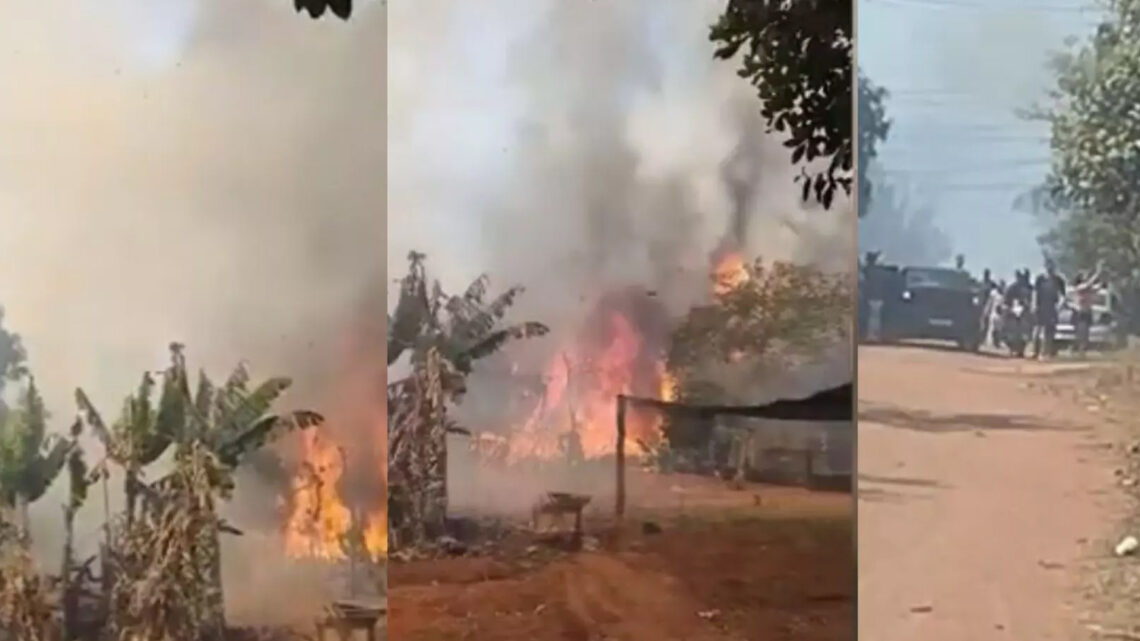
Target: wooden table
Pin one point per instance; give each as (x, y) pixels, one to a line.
(346, 619)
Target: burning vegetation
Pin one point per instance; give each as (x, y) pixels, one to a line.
(757, 319)
(157, 575)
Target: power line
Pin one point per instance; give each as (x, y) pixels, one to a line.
(1008, 186)
(990, 166)
(938, 141)
(961, 4)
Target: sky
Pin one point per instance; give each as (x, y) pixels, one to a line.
(957, 71)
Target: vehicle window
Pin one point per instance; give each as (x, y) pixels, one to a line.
(948, 278)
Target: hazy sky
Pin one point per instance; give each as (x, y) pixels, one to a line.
(190, 170)
(203, 171)
(957, 71)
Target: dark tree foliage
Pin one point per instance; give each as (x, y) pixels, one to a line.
(13, 357)
(873, 129)
(316, 8)
(797, 54)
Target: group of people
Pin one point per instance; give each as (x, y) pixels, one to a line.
(1044, 297)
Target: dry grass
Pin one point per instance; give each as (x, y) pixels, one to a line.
(27, 598)
(1110, 390)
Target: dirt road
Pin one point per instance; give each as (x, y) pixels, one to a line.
(980, 498)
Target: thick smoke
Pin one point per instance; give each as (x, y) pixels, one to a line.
(207, 172)
(582, 148)
(587, 152)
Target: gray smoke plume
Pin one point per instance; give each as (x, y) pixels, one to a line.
(208, 172)
(593, 161)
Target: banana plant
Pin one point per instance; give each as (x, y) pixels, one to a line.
(231, 422)
(144, 431)
(462, 328)
(30, 458)
(234, 420)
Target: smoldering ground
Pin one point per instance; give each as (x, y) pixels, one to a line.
(580, 148)
(202, 171)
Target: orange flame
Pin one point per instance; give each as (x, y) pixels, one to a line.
(320, 524)
(729, 272)
(580, 399)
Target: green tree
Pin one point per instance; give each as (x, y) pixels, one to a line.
(30, 458)
(13, 360)
(1089, 201)
(211, 431)
(755, 326)
(797, 54)
(874, 127)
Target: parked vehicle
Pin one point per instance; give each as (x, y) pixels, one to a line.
(1107, 331)
(937, 303)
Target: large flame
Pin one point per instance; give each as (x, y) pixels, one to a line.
(320, 524)
(323, 522)
(613, 357)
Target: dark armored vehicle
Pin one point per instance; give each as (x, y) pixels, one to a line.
(936, 303)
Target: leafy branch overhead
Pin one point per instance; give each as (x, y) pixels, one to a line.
(1090, 199)
(316, 8)
(797, 55)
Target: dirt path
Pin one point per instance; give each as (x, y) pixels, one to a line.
(980, 498)
(779, 569)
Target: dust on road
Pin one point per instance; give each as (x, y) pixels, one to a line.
(979, 498)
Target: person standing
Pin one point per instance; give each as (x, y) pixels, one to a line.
(1049, 291)
(987, 300)
(1084, 290)
(874, 281)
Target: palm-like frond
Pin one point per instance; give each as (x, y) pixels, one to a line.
(237, 445)
(244, 408)
(170, 419)
(33, 422)
(42, 470)
(30, 460)
(95, 421)
(413, 310)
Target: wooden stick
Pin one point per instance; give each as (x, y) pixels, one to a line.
(619, 506)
